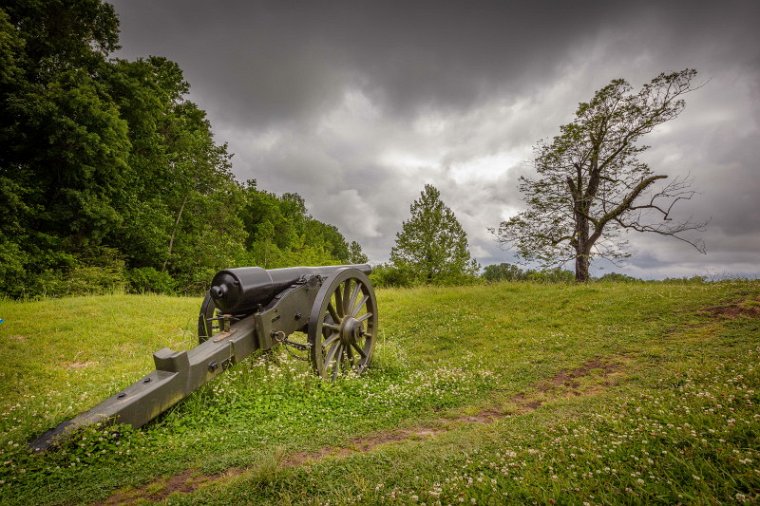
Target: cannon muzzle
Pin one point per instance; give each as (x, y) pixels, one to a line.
(242, 290)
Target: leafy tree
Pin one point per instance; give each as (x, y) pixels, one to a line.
(591, 185)
(555, 275)
(64, 146)
(509, 272)
(329, 238)
(617, 277)
(64, 33)
(355, 254)
(182, 207)
(148, 93)
(387, 275)
(109, 175)
(102, 159)
(503, 272)
(282, 234)
(203, 200)
(432, 246)
(13, 196)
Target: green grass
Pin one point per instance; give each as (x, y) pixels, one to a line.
(677, 420)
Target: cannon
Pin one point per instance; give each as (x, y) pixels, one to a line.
(333, 309)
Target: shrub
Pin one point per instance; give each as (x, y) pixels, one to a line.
(684, 280)
(386, 275)
(555, 275)
(90, 280)
(503, 272)
(81, 280)
(618, 277)
(12, 272)
(148, 279)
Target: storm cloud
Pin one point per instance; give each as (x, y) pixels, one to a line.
(356, 105)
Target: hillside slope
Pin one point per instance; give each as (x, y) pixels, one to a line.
(522, 392)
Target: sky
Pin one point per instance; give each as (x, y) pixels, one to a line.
(357, 105)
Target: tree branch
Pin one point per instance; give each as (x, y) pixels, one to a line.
(623, 206)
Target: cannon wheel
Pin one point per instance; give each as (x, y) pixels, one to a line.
(343, 324)
(207, 325)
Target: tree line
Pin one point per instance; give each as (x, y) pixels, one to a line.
(110, 177)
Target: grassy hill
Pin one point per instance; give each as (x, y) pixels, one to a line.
(636, 392)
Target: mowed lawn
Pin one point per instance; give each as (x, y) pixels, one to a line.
(506, 393)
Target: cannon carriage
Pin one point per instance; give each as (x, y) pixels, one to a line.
(333, 310)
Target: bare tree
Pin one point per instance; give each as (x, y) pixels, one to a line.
(591, 186)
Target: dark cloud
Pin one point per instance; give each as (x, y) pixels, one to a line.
(292, 61)
(356, 105)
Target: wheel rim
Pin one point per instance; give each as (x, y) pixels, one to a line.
(343, 325)
(208, 320)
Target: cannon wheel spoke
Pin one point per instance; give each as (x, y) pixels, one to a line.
(346, 296)
(332, 326)
(359, 349)
(364, 317)
(350, 355)
(343, 324)
(331, 341)
(355, 309)
(333, 313)
(350, 309)
(339, 303)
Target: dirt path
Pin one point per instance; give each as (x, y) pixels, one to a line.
(749, 308)
(591, 378)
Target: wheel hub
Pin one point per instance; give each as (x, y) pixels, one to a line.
(350, 331)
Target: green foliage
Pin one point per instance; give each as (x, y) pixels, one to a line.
(356, 255)
(503, 272)
(508, 272)
(85, 276)
(64, 145)
(432, 246)
(556, 275)
(388, 275)
(89, 280)
(104, 154)
(617, 277)
(12, 261)
(690, 280)
(282, 234)
(150, 280)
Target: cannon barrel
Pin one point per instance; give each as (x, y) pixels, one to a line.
(243, 289)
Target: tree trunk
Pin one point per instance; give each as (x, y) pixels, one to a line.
(583, 242)
(581, 267)
(174, 232)
(582, 246)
